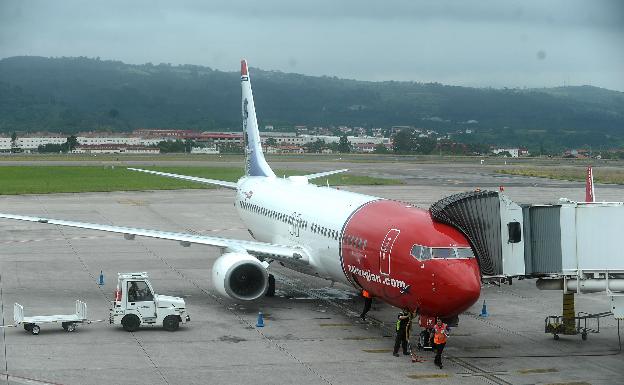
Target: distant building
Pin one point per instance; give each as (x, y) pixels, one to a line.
(163, 133)
(114, 149)
(363, 147)
(514, 152)
(204, 150)
(219, 138)
(283, 149)
(576, 153)
(29, 143)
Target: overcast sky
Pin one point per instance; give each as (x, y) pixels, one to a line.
(482, 43)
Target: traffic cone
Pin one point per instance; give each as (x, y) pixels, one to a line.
(484, 312)
(101, 281)
(260, 323)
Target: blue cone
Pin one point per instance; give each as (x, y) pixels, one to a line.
(101, 281)
(260, 323)
(484, 312)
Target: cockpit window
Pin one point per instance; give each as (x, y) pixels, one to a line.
(423, 252)
(416, 250)
(465, 253)
(442, 253)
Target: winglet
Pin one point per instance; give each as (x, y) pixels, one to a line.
(589, 185)
(244, 71)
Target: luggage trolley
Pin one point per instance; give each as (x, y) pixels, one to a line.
(67, 321)
(555, 325)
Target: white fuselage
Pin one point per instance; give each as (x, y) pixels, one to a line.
(291, 211)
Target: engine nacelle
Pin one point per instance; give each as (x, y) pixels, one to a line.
(240, 276)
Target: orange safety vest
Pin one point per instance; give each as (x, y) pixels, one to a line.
(366, 294)
(439, 336)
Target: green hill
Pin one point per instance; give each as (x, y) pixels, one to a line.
(75, 94)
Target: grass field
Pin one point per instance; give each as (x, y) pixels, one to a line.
(63, 179)
(601, 175)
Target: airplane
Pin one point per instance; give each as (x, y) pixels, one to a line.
(396, 252)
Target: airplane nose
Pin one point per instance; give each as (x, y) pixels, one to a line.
(458, 286)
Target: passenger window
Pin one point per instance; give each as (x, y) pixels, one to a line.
(416, 251)
(465, 253)
(442, 253)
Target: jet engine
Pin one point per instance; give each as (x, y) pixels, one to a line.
(240, 276)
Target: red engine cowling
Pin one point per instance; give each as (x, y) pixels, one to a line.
(377, 249)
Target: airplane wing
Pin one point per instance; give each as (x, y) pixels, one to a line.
(222, 183)
(325, 173)
(258, 249)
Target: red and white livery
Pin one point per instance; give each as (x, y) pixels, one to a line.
(391, 249)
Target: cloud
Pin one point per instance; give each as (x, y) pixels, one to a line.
(485, 43)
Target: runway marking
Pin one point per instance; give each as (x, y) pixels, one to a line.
(430, 375)
(356, 338)
(336, 325)
(477, 371)
(133, 202)
(484, 347)
(377, 350)
(538, 370)
(569, 383)
(26, 380)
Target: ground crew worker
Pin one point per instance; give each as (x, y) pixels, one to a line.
(440, 334)
(368, 301)
(403, 326)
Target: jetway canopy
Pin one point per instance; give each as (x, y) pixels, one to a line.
(536, 240)
(493, 225)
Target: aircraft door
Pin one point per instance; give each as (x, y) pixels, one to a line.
(141, 299)
(294, 224)
(385, 251)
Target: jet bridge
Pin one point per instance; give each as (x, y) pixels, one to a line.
(493, 225)
(569, 246)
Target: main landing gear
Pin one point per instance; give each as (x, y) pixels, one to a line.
(271, 289)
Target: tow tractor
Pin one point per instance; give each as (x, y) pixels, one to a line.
(135, 304)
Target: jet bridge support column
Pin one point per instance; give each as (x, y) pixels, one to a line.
(569, 326)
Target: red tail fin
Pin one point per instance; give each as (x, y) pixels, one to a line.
(589, 186)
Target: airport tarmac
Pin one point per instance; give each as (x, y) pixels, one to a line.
(312, 334)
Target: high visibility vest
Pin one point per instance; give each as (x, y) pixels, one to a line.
(366, 294)
(439, 336)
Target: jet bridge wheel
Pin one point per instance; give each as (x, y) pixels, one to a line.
(35, 329)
